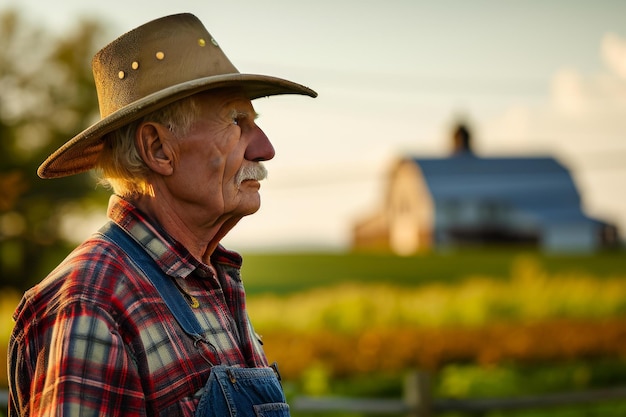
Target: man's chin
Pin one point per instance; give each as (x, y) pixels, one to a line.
(249, 205)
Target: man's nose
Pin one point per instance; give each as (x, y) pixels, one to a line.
(260, 147)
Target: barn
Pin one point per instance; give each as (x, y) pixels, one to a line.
(467, 200)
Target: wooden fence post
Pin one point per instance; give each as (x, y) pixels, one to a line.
(418, 394)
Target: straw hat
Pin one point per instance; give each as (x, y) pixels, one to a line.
(147, 68)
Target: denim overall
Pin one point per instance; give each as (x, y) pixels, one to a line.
(229, 391)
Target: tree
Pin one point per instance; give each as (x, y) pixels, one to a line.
(47, 95)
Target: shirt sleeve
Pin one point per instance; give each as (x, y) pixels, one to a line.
(86, 369)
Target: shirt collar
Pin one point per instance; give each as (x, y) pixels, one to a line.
(170, 255)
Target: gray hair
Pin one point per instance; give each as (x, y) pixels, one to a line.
(120, 166)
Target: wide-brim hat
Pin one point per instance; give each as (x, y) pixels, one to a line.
(147, 68)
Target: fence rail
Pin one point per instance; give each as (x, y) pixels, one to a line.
(4, 402)
(417, 401)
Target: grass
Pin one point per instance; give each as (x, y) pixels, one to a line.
(288, 273)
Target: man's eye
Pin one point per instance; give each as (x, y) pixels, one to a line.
(237, 117)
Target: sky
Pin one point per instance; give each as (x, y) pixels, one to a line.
(529, 77)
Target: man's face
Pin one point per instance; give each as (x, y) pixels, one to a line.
(217, 165)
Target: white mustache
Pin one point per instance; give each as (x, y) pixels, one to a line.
(251, 171)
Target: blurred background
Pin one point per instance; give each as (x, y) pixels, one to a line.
(452, 202)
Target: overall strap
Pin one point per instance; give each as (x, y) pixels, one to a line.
(161, 281)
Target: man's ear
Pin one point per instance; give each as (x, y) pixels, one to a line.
(150, 139)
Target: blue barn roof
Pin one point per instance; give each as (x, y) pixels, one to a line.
(537, 186)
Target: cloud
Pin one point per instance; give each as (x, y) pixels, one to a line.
(581, 111)
(613, 52)
(568, 92)
(581, 121)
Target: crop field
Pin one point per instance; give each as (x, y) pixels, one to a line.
(483, 323)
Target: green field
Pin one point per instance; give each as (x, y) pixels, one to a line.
(287, 273)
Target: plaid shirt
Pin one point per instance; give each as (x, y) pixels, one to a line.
(96, 338)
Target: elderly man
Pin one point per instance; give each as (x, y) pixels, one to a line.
(147, 317)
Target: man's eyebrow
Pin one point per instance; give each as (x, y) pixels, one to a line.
(244, 113)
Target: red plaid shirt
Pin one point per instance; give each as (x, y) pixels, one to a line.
(95, 337)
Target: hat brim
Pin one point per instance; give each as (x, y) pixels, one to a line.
(81, 153)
